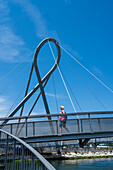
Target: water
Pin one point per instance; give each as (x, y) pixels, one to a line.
(84, 164)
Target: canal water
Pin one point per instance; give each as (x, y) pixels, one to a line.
(84, 164)
(79, 164)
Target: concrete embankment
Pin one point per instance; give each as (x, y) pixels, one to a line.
(79, 154)
(88, 154)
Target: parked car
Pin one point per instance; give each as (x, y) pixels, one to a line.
(101, 145)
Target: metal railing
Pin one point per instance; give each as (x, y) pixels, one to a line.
(15, 154)
(39, 125)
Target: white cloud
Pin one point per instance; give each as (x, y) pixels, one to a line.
(2, 100)
(97, 71)
(53, 95)
(4, 106)
(71, 51)
(34, 113)
(37, 19)
(50, 94)
(4, 11)
(11, 45)
(35, 16)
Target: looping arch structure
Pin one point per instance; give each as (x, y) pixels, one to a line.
(57, 59)
(40, 81)
(46, 77)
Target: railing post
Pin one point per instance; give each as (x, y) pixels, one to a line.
(78, 125)
(81, 126)
(6, 152)
(33, 129)
(14, 151)
(32, 162)
(58, 121)
(26, 127)
(22, 165)
(90, 122)
(99, 124)
(57, 127)
(11, 128)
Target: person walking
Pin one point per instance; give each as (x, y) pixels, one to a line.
(63, 120)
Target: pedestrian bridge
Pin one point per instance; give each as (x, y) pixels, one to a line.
(42, 128)
(45, 128)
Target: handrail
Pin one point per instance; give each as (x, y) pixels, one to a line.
(54, 115)
(37, 154)
(38, 121)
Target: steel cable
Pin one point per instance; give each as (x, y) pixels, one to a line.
(85, 85)
(71, 91)
(87, 70)
(14, 102)
(16, 66)
(63, 81)
(14, 79)
(55, 92)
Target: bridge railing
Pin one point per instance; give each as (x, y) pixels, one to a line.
(16, 154)
(40, 125)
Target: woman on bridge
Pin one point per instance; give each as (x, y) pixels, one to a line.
(63, 120)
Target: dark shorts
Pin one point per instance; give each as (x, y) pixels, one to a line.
(62, 123)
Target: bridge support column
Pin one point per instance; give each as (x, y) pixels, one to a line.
(83, 142)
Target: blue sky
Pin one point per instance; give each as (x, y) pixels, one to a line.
(83, 28)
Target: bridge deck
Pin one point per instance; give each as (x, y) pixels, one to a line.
(66, 137)
(39, 128)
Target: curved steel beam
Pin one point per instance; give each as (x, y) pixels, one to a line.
(31, 149)
(58, 55)
(43, 79)
(49, 73)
